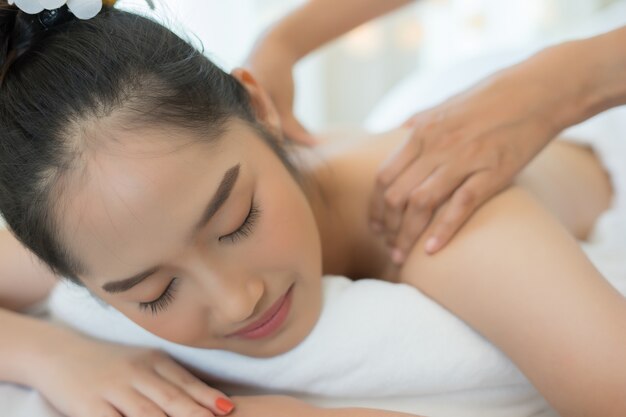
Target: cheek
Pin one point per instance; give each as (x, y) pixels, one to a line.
(287, 234)
(183, 322)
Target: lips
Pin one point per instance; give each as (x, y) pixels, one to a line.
(270, 321)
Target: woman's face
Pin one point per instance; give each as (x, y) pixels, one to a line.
(226, 238)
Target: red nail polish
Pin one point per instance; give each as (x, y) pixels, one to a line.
(224, 405)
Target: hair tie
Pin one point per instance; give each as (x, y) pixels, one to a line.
(20, 24)
(50, 18)
(82, 9)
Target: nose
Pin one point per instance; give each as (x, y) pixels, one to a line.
(236, 300)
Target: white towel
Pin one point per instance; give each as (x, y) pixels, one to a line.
(373, 339)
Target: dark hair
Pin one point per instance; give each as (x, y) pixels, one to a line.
(53, 81)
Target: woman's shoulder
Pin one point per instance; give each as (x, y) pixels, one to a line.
(498, 233)
(348, 159)
(517, 276)
(347, 143)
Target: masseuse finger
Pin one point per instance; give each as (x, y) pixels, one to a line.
(464, 201)
(197, 389)
(423, 202)
(389, 170)
(400, 195)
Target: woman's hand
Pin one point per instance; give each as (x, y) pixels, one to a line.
(458, 155)
(85, 377)
(272, 64)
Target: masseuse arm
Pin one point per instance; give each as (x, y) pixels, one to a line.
(468, 148)
(515, 275)
(296, 35)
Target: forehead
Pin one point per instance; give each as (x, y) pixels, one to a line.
(139, 196)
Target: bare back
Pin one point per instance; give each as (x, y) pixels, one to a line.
(514, 272)
(566, 178)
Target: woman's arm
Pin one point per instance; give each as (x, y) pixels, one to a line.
(23, 279)
(283, 406)
(24, 342)
(515, 275)
(83, 377)
(80, 376)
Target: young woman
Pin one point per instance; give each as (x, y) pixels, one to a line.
(135, 167)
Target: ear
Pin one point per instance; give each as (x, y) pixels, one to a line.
(260, 100)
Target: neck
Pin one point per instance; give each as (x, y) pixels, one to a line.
(338, 184)
(334, 233)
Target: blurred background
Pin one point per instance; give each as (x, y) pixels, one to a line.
(342, 82)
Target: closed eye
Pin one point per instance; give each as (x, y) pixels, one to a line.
(246, 227)
(161, 303)
(243, 231)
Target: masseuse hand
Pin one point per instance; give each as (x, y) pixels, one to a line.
(272, 66)
(85, 377)
(457, 155)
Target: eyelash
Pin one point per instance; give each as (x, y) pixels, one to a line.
(161, 303)
(246, 228)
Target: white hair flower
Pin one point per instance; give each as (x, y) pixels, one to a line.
(83, 9)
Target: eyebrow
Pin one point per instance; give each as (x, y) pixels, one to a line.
(221, 195)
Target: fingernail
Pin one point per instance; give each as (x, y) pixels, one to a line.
(224, 405)
(431, 244)
(376, 226)
(397, 256)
